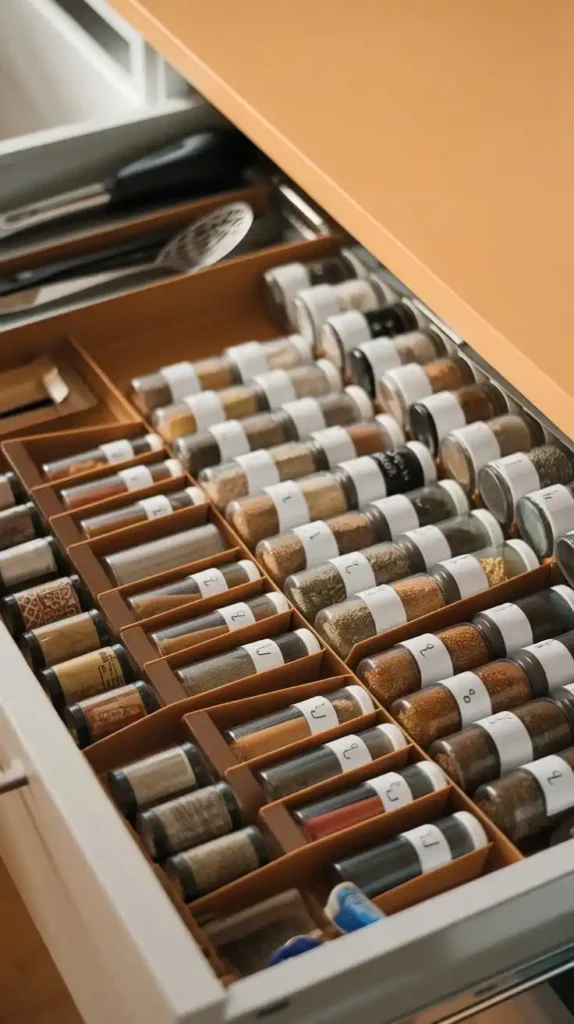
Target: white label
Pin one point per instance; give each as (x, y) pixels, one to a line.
(400, 514)
(265, 655)
(318, 541)
(412, 382)
(6, 494)
(350, 751)
(210, 581)
(430, 846)
(156, 507)
(431, 543)
(355, 571)
(206, 408)
(467, 573)
(181, 379)
(136, 477)
(231, 439)
(480, 443)
(278, 388)
(260, 470)
(558, 504)
(336, 444)
(382, 355)
(385, 606)
(392, 790)
(292, 509)
(519, 473)
(446, 412)
(237, 615)
(367, 478)
(556, 780)
(513, 625)
(306, 414)
(117, 451)
(471, 695)
(249, 358)
(319, 714)
(433, 660)
(556, 661)
(511, 739)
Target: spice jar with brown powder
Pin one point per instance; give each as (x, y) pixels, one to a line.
(19, 524)
(99, 716)
(434, 417)
(192, 588)
(161, 776)
(134, 478)
(313, 306)
(285, 282)
(465, 575)
(87, 675)
(35, 561)
(546, 515)
(532, 798)
(219, 622)
(60, 641)
(515, 624)
(154, 507)
(548, 663)
(107, 454)
(467, 449)
(401, 388)
(46, 603)
(189, 820)
(505, 481)
(167, 552)
(342, 333)
(11, 490)
(371, 359)
(205, 868)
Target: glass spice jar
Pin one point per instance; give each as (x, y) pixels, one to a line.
(548, 663)
(189, 820)
(141, 511)
(11, 490)
(426, 659)
(100, 716)
(35, 561)
(298, 721)
(247, 660)
(313, 306)
(515, 624)
(342, 333)
(86, 675)
(125, 481)
(434, 417)
(169, 552)
(501, 743)
(295, 421)
(48, 602)
(427, 545)
(399, 389)
(266, 393)
(565, 556)
(465, 575)
(285, 282)
(329, 760)
(59, 641)
(530, 799)
(467, 449)
(194, 587)
(150, 780)
(503, 482)
(371, 359)
(103, 455)
(205, 868)
(19, 524)
(219, 622)
(546, 515)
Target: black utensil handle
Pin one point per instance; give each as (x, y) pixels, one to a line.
(104, 259)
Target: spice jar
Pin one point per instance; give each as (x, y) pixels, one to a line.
(548, 663)
(46, 603)
(32, 562)
(565, 556)
(283, 506)
(370, 359)
(412, 853)
(530, 799)
(217, 623)
(516, 624)
(434, 417)
(11, 490)
(295, 421)
(189, 820)
(167, 552)
(86, 675)
(546, 515)
(375, 796)
(422, 661)
(103, 455)
(134, 478)
(503, 482)
(266, 393)
(247, 660)
(286, 281)
(401, 388)
(342, 333)
(467, 449)
(330, 760)
(501, 743)
(428, 545)
(298, 721)
(465, 575)
(192, 588)
(19, 524)
(149, 780)
(93, 719)
(205, 868)
(141, 511)
(60, 641)
(313, 306)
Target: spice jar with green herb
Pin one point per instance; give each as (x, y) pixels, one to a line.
(505, 481)
(532, 798)
(467, 449)
(513, 625)
(434, 417)
(399, 389)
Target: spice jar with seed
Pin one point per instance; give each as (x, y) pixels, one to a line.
(86, 675)
(342, 333)
(267, 393)
(60, 641)
(457, 702)
(503, 482)
(549, 663)
(189, 820)
(530, 619)
(35, 561)
(205, 868)
(11, 490)
(285, 282)
(313, 306)
(93, 719)
(401, 388)
(298, 721)
(217, 623)
(168, 552)
(530, 799)
(428, 545)
(467, 449)
(501, 743)
(250, 659)
(104, 455)
(375, 796)
(141, 511)
(330, 760)
(465, 575)
(413, 853)
(19, 524)
(192, 588)
(161, 776)
(371, 359)
(46, 603)
(422, 661)
(134, 478)
(434, 417)
(378, 609)
(546, 515)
